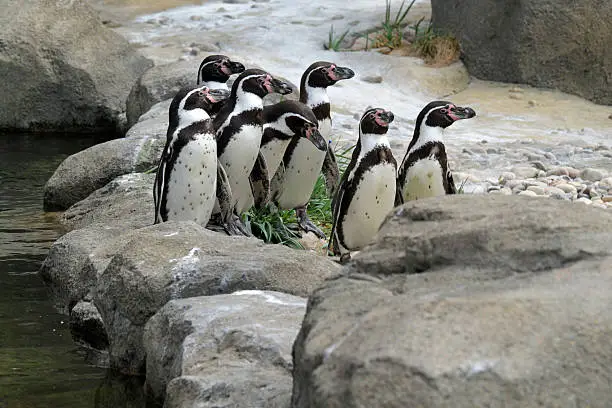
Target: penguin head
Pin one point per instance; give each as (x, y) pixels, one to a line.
(443, 114)
(260, 83)
(194, 104)
(294, 118)
(218, 68)
(375, 121)
(322, 74)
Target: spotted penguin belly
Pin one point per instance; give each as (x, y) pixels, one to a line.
(192, 183)
(238, 159)
(372, 201)
(301, 175)
(424, 179)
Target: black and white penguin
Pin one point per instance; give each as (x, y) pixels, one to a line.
(239, 127)
(185, 186)
(424, 172)
(284, 121)
(366, 193)
(303, 161)
(215, 70)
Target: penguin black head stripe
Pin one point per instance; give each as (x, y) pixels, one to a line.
(260, 83)
(322, 74)
(218, 68)
(190, 98)
(375, 121)
(293, 118)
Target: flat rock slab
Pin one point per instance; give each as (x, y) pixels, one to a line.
(178, 260)
(227, 350)
(463, 302)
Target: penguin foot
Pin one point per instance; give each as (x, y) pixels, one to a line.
(235, 226)
(344, 258)
(306, 224)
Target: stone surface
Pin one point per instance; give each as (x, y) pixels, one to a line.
(463, 302)
(512, 42)
(178, 260)
(239, 344)
(62, 70)
(124, 203)
(87, 327)
(84, 172)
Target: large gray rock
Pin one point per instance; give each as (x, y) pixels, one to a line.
(224, 350)
(126, 202)
(466, 301)
(178, 260)
(62, 70)
(84, 172)
(560, 44)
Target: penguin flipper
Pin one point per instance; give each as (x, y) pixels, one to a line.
(336, 204)
(399, 197)
(331, 173)
(452, 189)
(158, 184)
(260, 182)
(277, 181)
(224, 193)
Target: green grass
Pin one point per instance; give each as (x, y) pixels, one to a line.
(333, 42)
(391, 35)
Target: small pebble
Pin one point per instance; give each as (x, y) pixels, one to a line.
(606, 182)
(507, 175)
(525, 171)
(538, 165)
(372, 79)
(532, 103)
(505, 191)
(516, 96)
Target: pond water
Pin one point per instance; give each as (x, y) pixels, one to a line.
(40, 366)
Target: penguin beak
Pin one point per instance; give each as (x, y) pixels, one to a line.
(387, 117)
(278, 86)
(217, 95)
(343, 73)
(236, 67)
(459, 112)
(312, 133)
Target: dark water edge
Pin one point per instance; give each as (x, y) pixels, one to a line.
(40, 366)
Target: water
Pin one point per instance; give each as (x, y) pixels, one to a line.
(40, 366)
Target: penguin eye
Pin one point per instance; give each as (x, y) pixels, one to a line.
(332, 68)
(443, 110)
(201, 93)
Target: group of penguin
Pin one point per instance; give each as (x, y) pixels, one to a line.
(225, 152)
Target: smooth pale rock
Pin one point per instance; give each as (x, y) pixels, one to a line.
(444, 310)
(124, 203)
(62, 70)
(567, 188)
(607, 199)
(507, 176)
(528, 193)
(583, 200)
(176, 260)
(505, 191)
(537, 190)
(592, 174)
(606, 182)
(84, 172)
(554, 191)
(525, 171)
(239, 342)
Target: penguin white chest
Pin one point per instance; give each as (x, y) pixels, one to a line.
(373, 199)
(238, 159)
(301, 174)
(424, 179)
(273, 154)
(192, 182)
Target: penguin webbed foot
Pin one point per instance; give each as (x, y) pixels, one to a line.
(235, 226)
(344, 258)
(306, 224)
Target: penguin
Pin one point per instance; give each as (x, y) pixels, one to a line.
(239, 130)
(424, 172)
(302, 160)
(366, 193)
(284, 121)
(188, 177)
(215, 70)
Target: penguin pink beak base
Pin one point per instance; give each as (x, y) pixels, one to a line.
(274, 85)
(217, 95)
(458, 112)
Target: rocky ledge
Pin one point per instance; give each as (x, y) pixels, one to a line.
(460, 299)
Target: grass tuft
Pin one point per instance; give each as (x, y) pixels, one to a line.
(435, 48)
(391, 33)
(333, 42)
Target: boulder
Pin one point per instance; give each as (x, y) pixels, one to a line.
(84, 172)
(546, 43)
(175, 260)
(87, 327)
(124, 203)
(223, 350)
(466, 301)
(62, 70)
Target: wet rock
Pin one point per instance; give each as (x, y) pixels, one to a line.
(178, 260)
(63, 70)
(502, 47)
(87, 327)
(240, 343)
(592, 174)
(84, 172)
(489, 312)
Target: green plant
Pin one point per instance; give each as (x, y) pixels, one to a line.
(392, 29)
(435, 48)
(460, 190)
(333, 43)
